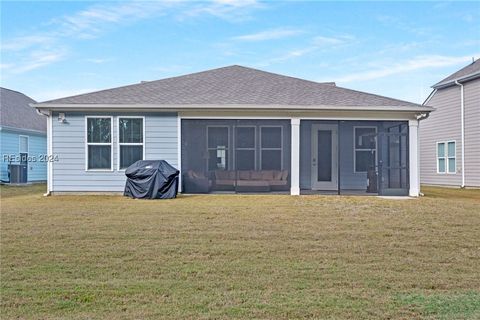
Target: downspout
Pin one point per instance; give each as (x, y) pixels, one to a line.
(49, 143)
(462, 123)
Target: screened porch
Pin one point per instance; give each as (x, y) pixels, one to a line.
(255, 156)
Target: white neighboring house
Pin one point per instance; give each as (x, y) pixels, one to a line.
(450, 137)
(237, 129)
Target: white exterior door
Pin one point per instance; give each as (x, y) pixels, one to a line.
(324, 158)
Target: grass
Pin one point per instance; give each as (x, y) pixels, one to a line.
(242, 257)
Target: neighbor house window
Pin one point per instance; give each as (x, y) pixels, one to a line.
(271, 146)
(99, 143)
(218, 138)
(365, 148)
(245, 142)
(130, 141)
(23, 149)
(446, 157)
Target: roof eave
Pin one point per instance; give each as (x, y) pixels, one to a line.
(176, 108)
(466, 78)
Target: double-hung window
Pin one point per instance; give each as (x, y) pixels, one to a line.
(245, 142)
(99, 143)
(365, 148)
(271, 147)
(130, 141)
(23, 149)
(218, 138)
(446, 157)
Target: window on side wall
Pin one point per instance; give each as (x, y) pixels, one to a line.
(99, 143)
(130, 140)
(23, 149)
(446, 157)
(365, 148)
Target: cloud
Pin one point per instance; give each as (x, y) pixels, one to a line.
(417, 63)
(36, 60)
(28, 51)
(316, 43)
(271, 34)
(98, 60)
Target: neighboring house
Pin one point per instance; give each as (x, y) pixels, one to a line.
(237, 129)
(23, 134)
(450, 137)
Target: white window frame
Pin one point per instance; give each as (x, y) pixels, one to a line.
(99, 143)
(446, 157)
(254, 149)
(355, 149)
(227, 149)
(275, 149)
(28, 146)
(129, 143)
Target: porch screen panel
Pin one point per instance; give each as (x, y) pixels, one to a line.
(235, 155)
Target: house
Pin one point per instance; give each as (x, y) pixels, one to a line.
(23, 134)
(237, 129)
(450, 137)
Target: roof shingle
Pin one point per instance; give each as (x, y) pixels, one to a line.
(233, 85)
(15, 112)
(470, 70)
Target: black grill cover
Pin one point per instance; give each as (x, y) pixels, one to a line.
(151, 179)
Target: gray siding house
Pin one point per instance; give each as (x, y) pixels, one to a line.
(237, 129)
(23, 137)
(450, 137)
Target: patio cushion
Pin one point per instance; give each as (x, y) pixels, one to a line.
(256, 175)
(267, 175)
(277, 175)
(284, 174)
(244, 175)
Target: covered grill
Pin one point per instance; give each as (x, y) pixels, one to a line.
(151, 179)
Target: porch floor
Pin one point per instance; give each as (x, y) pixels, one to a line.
(351, 192)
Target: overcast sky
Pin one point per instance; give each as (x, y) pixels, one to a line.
(56, 49)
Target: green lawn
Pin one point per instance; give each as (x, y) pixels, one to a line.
(233, 256)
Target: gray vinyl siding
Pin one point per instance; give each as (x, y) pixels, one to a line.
(68, 141)
(472, 133)
(444, 124)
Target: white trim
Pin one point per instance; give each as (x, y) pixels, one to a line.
(295, 156)
(374, 117)
(355, 149)
(273, 149)
(229, 163)
(413, 159)
(99, 144)
(119, 144)
(333, 183)
(446, 157)
(179, 152)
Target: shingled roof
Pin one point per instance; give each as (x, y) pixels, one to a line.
(15, 112)
(469, 72)
(232, 85)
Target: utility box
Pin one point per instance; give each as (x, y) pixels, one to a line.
(18, 173)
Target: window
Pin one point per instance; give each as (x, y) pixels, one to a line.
(23, 149)
(99, 143)
(217, 144)
(271, 148)
(245, 147)
(446, 157)
(365, 148)
(130, 141)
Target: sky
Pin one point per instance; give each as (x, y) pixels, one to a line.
(397, 49)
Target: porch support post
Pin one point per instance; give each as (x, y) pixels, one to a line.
(295, 160)
(413, 158)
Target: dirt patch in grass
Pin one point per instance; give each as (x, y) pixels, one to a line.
(234, 256)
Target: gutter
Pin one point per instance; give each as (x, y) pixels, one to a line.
(462, 122)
